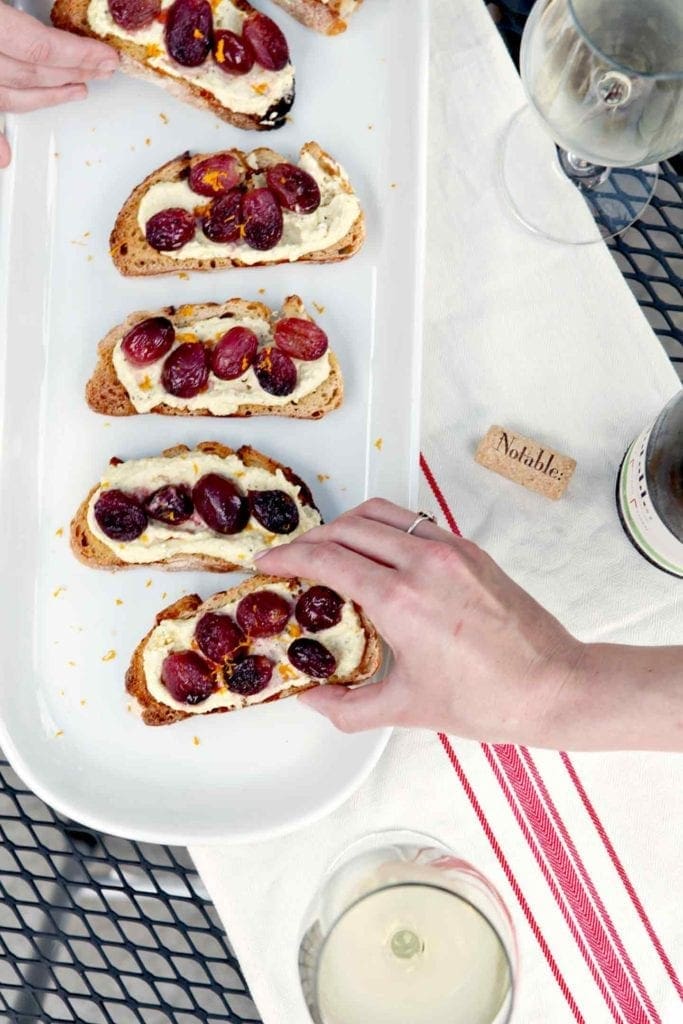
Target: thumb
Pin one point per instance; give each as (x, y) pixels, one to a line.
(365, 707)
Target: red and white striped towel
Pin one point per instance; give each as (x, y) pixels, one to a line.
(584, 848)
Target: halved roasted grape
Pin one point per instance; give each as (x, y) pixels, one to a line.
(299, 338)
(275, 371)
(186, 370)
(218, 637)
(189, 31)
(232, 53)
(319, 608)
(262, 219)
(134, 14)
(171, 504)
(187, 677)
(220, 504)
(170, 229)
(295, 188)
(311, 658)
(148, 341)
(216, 175)
(263, 613)
(267, 41)
(234, 353)
(249, 676)
(223, 220)
(275, 510)
(120, 516)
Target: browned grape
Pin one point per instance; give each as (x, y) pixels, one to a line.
(220, 504)
(299, 338)
(232, 53)
(274, 510)
(267, 41)
(148, 340)
(319, 608)
(249, 676)
(262, 219)
(296, 189)
(189, 31)
(218, 637)
(234, 353)
(171, 504)
(134, 14)
(170, 229)
(263, 613)
(311, 658)
(120, 516)
(186, 370)
(276, 373)
(187, 677)
(223, 219)
(216, 175)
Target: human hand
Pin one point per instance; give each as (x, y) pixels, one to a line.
(474, 654)
(42, 66)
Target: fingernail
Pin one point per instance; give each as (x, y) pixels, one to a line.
(107, 66)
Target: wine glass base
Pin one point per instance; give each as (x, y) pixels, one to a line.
(567, 203)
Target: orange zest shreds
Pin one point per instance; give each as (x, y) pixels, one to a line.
(109, 656)
(59, 532)
(322, 477)
(243, 230)
(201, 211)
(220, 50)
(245, 364)
(214, 179)
(187, 310)
(162, 16)
(319, 308)
(294, 630)
(287, 672)
(188, 336)
(58, 591)
(146, 384)
(378, 444)
(164, 118)
(238, 472)
(196, 740)
(260, 87)
(198, 34)
(118, 601)
(152, 50)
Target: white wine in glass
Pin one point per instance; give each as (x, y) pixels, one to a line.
(604, 79)
(404, 931)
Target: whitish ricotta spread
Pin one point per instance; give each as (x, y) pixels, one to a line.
(253, 93)
(159, 541)
(346, 641)
(222, 397)
(302, 234)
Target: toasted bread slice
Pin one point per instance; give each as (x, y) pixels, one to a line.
(133, 256)
(72, 16)
(105, 393)
(90, 550)
(154, 712)
(328, 16)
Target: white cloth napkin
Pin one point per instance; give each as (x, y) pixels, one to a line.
(548, 340)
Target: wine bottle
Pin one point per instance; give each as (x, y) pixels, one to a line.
(650, 490)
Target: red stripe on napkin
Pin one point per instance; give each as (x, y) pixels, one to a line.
(495, 845)
(621, 871)
(436, 491)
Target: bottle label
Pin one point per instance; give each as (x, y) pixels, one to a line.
(640, 517)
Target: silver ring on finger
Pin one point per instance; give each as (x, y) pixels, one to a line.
(421, 517)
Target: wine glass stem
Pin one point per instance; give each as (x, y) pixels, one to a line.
(585, 175)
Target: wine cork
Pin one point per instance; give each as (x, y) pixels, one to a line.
(529, 463)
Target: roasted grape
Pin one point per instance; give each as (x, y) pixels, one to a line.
(319, 608)
(311, 658)
(263, 613)
(186, 370)
(295, 188)
(170, 229)
(300, 339)
(276, 373)
(187, 677)
(218, 637)
(134, 14)
(249, 676)
(148, 341)
(216, 175)
(274, 510)
(171, 504)
(267, 41)
(120, 516)
(220, 504)
(232, 53)
(234, 353)
(189, 31)
(223, 220)
(262, 219)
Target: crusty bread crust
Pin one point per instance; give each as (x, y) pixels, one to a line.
(133, 256)
(72, 16)
(156, 713)
(89, 550)
(105, 393)
(323, 17)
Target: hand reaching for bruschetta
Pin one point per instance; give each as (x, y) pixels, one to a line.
(41, 66)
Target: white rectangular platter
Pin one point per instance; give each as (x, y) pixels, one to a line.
(65, 722)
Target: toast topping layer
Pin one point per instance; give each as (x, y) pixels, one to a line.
(171, 533)
(255, 92)
(302, 233)
(146, 390)
(345, 642)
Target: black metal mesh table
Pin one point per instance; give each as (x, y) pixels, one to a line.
(100, 930)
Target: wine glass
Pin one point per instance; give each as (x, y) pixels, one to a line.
(605, 79)
(403, 929)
